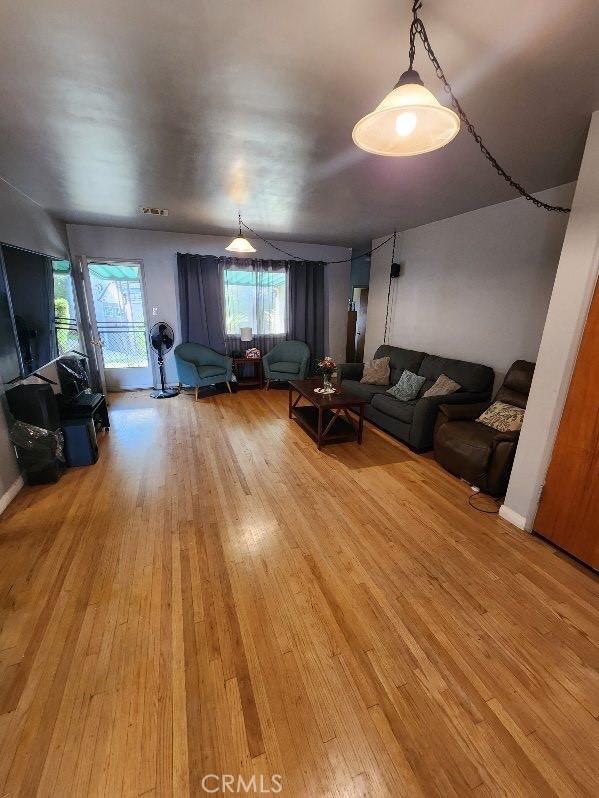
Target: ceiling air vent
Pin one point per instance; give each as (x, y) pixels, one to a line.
(153, 211)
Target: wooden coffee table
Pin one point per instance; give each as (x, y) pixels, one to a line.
(326, 418)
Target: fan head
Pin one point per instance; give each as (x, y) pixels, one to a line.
(162, 337)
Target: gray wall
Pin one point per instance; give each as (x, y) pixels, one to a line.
(158, 251)
(474, 286)
(24, 224)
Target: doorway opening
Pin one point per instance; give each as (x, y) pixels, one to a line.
(356, 325)
(119, 330)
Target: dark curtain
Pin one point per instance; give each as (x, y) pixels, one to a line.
(307, 306)
(201, 300)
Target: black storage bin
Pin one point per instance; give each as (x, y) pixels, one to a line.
(39, 452)
(36, 433)
(34, 404)
(81, 446)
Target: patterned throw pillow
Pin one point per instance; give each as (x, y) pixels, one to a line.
(503, 417)
(444, 385)
(376, 372)
(408, 386)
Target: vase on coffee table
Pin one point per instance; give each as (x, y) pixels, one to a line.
(327, 367)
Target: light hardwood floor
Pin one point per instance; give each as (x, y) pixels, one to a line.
(216, 596)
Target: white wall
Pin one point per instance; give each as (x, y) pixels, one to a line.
(158, 250)
(474, 286)
(24, 224)
(572, 294)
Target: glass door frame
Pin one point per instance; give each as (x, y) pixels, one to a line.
(95, 338)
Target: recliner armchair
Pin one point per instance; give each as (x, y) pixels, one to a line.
(287, 360)
(199, 366)
(479, 454)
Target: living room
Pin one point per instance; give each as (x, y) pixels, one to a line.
(299, 385)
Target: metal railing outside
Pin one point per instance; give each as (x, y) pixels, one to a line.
(123, 344)
(67, 334)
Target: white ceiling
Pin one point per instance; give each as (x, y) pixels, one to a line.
(206, 106)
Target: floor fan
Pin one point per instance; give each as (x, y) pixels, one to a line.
(162, 339)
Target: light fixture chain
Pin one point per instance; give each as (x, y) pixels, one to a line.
(417, 28)
(300, 258)
(389, 286)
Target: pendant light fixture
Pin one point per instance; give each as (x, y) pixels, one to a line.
(411, 121)
(240, 244)
(408, 121)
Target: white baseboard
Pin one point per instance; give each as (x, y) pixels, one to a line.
(512, 517)
(10, 494)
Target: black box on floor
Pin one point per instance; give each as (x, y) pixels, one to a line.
(80, 443)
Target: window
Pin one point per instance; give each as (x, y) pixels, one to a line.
(65, 308)
(256, 299)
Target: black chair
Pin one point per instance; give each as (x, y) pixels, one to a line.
(479, 454)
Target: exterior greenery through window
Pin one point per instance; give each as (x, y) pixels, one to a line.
(65, 308)
(256, 299)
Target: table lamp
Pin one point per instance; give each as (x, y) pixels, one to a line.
(246, 335)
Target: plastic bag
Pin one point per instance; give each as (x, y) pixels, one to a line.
(35, 444)
(73, 376)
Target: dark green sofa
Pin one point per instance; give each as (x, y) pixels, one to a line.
(414, 422)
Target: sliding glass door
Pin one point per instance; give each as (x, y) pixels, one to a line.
(119, 330)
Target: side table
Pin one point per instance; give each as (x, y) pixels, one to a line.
(256, 380)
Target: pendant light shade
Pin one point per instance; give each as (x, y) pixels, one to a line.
(408, 121)
(240, 244)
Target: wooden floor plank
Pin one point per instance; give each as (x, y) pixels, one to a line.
(216, 596)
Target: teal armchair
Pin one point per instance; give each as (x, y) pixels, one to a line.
(287, 361)
(200, 366)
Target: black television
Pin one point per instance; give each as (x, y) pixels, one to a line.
(41, 299)
(10, 364)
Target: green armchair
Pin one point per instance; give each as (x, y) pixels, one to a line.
(200, 366)
(287, 361)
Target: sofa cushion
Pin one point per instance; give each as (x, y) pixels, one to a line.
(472, 377)
(408, 386)
(503, 417)
(376, 372)
(443, 386)
(400, 359)
(211, 371)
(285, 367)
(402, 411)
(362, 390)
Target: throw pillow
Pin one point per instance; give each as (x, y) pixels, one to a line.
(408, 386)
(444, 385)
(503, 417)
(376, 372)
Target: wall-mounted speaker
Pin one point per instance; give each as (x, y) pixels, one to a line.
(395, 269)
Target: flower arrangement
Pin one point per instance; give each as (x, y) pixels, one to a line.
(327, 365)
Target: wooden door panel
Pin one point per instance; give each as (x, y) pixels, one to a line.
(569, 509)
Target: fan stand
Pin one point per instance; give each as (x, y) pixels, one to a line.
(164, 393)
